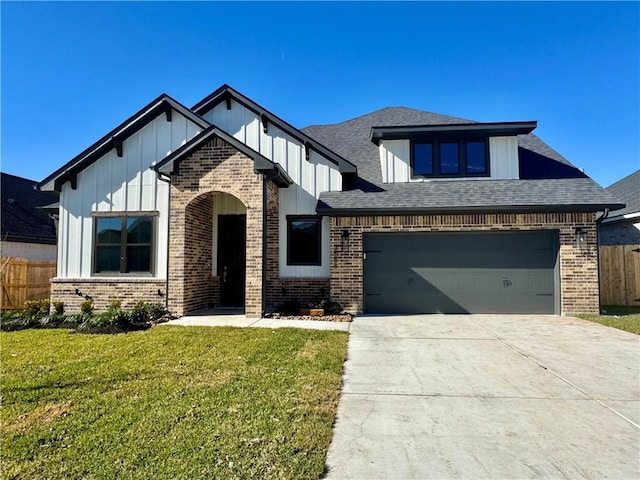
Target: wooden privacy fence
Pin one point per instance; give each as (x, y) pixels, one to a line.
(620, 275)
(24, 280)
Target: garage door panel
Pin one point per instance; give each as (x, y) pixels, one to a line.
(457, 272)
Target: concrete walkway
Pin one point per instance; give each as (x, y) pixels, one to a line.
(485, 396)
(212, 320)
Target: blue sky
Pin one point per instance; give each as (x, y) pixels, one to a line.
(73, 71)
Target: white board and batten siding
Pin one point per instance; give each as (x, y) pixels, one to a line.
(395, 160)
(120, 184)
(310, 177)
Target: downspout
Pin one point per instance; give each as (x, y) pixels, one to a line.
(599, 220)
(167, 180)
(266, 180)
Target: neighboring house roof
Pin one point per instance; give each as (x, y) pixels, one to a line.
(627, 191)
(171, 163)
(226, 93)
(23, 218)
(114, 139)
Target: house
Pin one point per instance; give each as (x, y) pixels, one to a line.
(226, 204)
(622, 227)
(28, 231)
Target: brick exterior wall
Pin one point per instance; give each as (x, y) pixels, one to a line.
(280, 290)
(215, 167)
(103, 290)
(624, 232)
(578, 264)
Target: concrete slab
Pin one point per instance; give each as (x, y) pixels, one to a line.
(242, 321)
(629, 409)
(603, 361)
(447, 367)
(419, 326)
(487, 396)
(213, 321)
(307, 324)
(413, 437)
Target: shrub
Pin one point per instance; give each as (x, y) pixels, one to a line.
(144, 312)
(330, 307)
(109, 321)
(86, 306)
(36, 308)
(115, 304)
(15, 320)
(58, 308)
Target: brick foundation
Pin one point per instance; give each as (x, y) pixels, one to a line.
(578, 265)
(103, 290)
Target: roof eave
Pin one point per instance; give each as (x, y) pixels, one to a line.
(324, 209)
(480, 128)
(170, 164)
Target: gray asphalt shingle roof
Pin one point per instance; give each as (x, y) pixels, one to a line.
(627, 191)
(23, 219)
(547, 178)
(574, 194)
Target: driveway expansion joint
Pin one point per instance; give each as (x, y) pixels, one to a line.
(557, 374)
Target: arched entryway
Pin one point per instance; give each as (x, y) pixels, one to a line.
(215, 252)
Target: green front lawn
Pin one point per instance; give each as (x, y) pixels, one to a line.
(171, 402)
(623, 318)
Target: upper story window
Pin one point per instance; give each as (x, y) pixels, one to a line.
(123, 244)
(450, 158)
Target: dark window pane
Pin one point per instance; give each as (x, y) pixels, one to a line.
(304, 242)
(109, 230)
(139, 230)
(449, 162)
(423, 159)
(476, 157)
(108, 259)
(138, 259)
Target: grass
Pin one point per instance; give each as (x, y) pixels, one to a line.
(170, 402)
(623, 318)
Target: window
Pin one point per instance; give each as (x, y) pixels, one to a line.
(303, 241)
(123, 244)
(450, 158)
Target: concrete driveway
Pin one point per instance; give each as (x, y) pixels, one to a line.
(487, 396)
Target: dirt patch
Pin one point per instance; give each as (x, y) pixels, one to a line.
(40, 416)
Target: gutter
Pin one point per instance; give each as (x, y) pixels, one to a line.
(602, 218)
(599, 220)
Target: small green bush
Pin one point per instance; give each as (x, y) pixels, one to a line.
(86, 306)
(115, 304)
(36, 308)
(58, 308)
(16, 320)
(147, 312)
(330, 307)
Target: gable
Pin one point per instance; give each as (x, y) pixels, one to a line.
(247, 122)
(115, 140)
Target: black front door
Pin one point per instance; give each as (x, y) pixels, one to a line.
(231, 259)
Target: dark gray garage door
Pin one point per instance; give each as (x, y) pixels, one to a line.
(488, 272)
